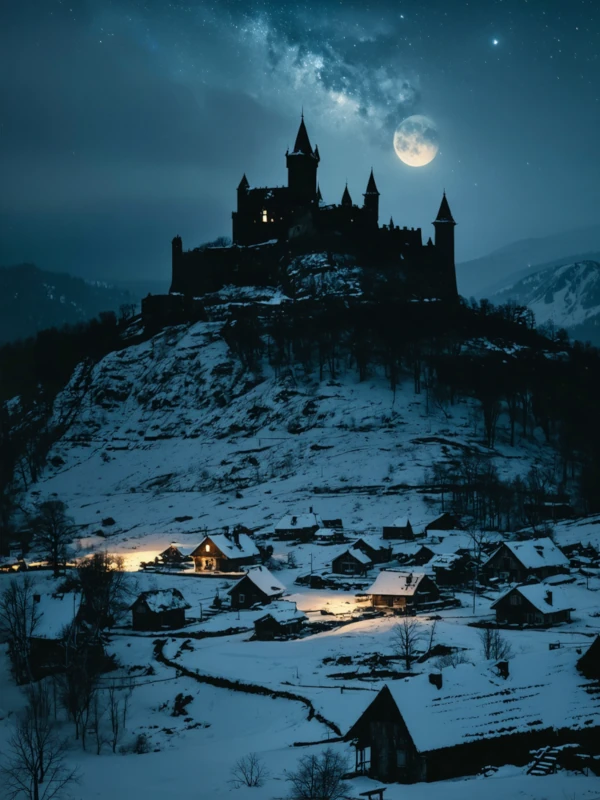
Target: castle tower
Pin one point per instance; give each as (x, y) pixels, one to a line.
(371, 201)
(176, 264)
(302, 165)
(346, 199)
(444, 244)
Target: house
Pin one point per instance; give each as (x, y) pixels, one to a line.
(516, 561)
(456, 722)
(328, 535)
(532, 604)
(225, 552)
(334, 524)
(400, 528)
(157, 609)
(414, 554)
(57, 624)
(589, 663)
(402, 591)
(176, 554)
(372, 548)
(450, 569)
(257, 586)
(282, 620)
(438, 522)
(298, 526)
(351, 562)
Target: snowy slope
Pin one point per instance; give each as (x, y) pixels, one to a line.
(567, 295)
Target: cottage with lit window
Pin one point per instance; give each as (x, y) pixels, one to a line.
(225, 552)
(402, 592)
(257, 586)
(533, 604)
(517, 561)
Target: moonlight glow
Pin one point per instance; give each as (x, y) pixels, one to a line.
(416, 141)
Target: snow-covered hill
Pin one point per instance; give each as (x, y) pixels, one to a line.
(567, 296)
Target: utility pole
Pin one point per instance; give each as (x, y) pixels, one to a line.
(311, 563)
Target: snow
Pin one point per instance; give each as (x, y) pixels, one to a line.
(400, 522)
(360, 556)
(56, 613)
(537, 553)
(284, 612)
(473, 703)
(538, 595)
(243, 548)
(263, 580)
(159, 600)
(300, 521)
(396, 583)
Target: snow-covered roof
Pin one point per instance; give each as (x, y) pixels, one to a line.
(443, 561)
(396, 583)
(474, 704)
(359, 556)
(226, 543)
(183, 549)
(159, 600)
(56, 612)
(400, 522)
(537, 553)
(263, 580)
(283, 613)
(546, 600)
(299, 521)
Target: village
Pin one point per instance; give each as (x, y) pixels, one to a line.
(423, 651)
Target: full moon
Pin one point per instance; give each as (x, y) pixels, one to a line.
(416, 141)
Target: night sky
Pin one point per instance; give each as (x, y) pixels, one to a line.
(124, 123)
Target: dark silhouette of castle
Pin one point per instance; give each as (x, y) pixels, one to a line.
(272, 224)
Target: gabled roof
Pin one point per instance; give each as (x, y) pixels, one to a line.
(283, 612)
(473, 704)
(371, 185)
(361, 557)
(159, 600)
(401, 584)
(299, 521)
(444, 214)
(400, 522)
(227, 545)
(535, 553)
(263, 580)
(544, 599)
(302, 144)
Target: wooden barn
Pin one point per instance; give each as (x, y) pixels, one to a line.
(450, 569)
(225, 552)
(517, 561)
(281, 621)
(176, 554)
(299, 526)
(403, 592)
(257, 586)
(157, 609)
(589, 663)
(400, 528)
(438, 522)
(351, 562)
(532, 604)
(58, 623)
(372, 548)
(456, 722)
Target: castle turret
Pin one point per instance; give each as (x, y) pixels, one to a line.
(444, 243)
(302, 165)
(176, 264)
(346, 199)
(371, 202)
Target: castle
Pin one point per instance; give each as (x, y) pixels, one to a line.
(274, 224)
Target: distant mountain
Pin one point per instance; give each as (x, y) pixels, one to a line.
(32, 299)
(483, 276)
(567, 295)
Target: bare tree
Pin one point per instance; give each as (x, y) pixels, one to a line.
(97, 713)
(319, 777)
(249, 771)
(406, 636)
(452, 659)
(478, 540)
(35, 763)
(118, 705)
(493, 645)
(19, 617)
(105, 587)
(53, 531)
(78, 684)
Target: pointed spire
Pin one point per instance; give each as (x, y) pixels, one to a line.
(346, 199)
(302, 144)
(391, 223)
(316, 153)
(371, 185)
(244, 182)
(444, 214)
(319, 195)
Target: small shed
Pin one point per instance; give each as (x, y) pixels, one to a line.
(516, 561)
(257, 586)
(533, 604)
(450, 569)
(281, 621)
(400, 528)
(351, 562)
(402, 592)
(57, 622)
(299, 526)
(225, 552)
(157, 609)
(176, 554)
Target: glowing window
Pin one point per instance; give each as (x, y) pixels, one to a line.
(208, 548)
(265, 216)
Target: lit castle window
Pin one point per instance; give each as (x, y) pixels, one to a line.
(265, 217)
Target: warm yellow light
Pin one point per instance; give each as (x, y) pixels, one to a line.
(208, 548)
(265, 216)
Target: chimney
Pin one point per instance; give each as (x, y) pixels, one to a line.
(549, 598)
(311, 509)
(502, 667)
(236, 536)
(435, 678)
(409, 579)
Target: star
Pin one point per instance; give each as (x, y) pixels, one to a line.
(494, 42)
